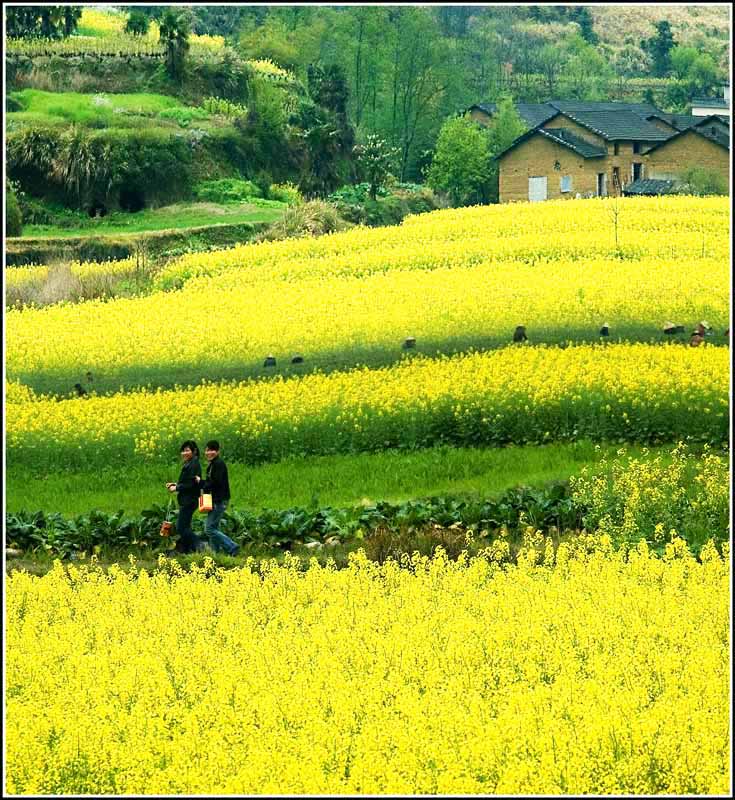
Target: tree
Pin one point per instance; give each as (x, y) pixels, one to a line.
(138, 23)
(628, 62)
(702, 76)
(551, 59)
(174, 30)
(682, 59)
(504, 129)
(375, 158)
(587, 73)
(49, 22)
(13, 218)
(461, 164)
(583, 17)
(659, 47)
(417, 77)
(71, 15)
(360, 38)
(506, 126)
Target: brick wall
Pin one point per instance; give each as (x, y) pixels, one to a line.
(661, 124)
(688, 150)
(562, 121)
(534, 158)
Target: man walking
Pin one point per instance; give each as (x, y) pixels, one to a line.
(217, 484)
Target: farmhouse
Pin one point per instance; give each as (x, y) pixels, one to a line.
(704, 106)
(587, 149)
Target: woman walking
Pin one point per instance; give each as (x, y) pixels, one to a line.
(218, 485)
(187, 487)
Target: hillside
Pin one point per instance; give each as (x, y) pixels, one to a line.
(692, 25)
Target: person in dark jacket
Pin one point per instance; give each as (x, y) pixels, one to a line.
(217, 484)
(187, 487)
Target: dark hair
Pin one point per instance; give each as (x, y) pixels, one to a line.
(213, 444)
(192, 445)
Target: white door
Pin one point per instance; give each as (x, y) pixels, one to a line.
(537, 189)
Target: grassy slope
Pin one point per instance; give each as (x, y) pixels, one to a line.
(342, 481)
(93, 110)
(174, 217)
(614, 24)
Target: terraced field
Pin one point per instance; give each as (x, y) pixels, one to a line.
(545, 647)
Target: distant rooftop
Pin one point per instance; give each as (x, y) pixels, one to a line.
(607, 119)
(711, 102)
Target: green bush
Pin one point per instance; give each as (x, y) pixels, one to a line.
(703, 181)
(227, 190)
(184, 115)
(13, 103)
(285, 193)
(224, 108)
(13, 218)
(391, 206)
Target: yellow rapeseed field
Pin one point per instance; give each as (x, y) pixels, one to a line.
(17, 277)
(452, 278)
(673, 229)
(575, 672)
(519, 394)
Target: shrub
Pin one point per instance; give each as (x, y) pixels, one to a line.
(703, 181)
(13, 104)
(309, 219)
(13, 218)
(223, 108)
(184, 115)
(227, 190)
(285, 193)
(390, 207)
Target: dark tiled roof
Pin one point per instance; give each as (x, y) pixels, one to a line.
(650, 186)
(620, 124)
(679, 121)
(533, 114)
(609, 120)
(581, 107)
(563, 137)
(714, 102)
(573, 142)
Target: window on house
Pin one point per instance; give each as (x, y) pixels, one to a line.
(616, 149)
(637, 171)
(636, 147)
(566, 183)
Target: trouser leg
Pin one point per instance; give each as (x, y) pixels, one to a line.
(188, 541)
(218, 540)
